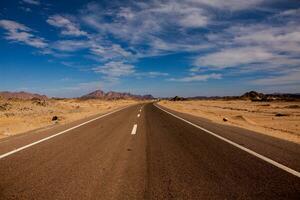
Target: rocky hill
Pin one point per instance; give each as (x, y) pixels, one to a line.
(253, 95)
(99, 94)
(21, 95)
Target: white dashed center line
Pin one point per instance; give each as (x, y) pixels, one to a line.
(133, 132)
(138, 115)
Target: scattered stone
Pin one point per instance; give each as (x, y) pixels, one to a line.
(25, 109)
(225, 119)
(54, 118)
(281, 115)
(5, 106)
(39, 102)
(9, 114)
(293, 106)
(265, 105)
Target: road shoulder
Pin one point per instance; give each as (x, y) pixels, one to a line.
(281, 151)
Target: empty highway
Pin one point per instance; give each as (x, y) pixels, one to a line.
(145, 152)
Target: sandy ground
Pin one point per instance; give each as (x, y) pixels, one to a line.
(18, 116)
(263, 117)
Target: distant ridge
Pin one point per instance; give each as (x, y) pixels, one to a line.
(252, 96)
(99, 94)
(22, 95)
(255, 96)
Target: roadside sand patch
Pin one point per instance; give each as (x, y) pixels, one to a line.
(277, 119)
(18, 116)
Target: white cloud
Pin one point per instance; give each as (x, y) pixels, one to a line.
(263, 47)
(290, 78)
(144, 23)
(115, 69)
(194, 20)
(110, 52)
(68, 27)
(33, 2)
(152, 74)
(276, 38)
(150, 23)
(233, 57)
(193, 78)
(230, 4)
(290, 12)
(20, 33)
(70, 45)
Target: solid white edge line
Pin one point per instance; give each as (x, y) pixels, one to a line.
(57, 134)
(133, 132)
(266, 159)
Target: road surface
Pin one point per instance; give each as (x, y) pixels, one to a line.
(143, 152)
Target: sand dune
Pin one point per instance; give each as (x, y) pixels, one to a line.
(277, 119)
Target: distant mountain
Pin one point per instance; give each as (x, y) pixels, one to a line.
(99, 94)
(22, 95)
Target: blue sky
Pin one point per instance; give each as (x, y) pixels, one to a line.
(165, 48)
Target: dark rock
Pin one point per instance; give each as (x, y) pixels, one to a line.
(293, 106)
(54, 118)
(5, 107)
(281, 115)
(177, 98)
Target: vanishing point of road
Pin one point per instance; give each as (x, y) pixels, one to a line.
(146, 151)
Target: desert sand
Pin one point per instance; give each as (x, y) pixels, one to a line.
(277, 119)
(19, 116)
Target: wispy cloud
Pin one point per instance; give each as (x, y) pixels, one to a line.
(233, 57)
(262, 47)
(32, 2)
(142, 23)
(112, 51)
(230, 4)
(115, 69)
(193, 78)
(151, 74)
(290, 78)
(68, 27)
(17, 32)
(70, 45)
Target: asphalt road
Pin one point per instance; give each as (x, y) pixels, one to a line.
(142, 152)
